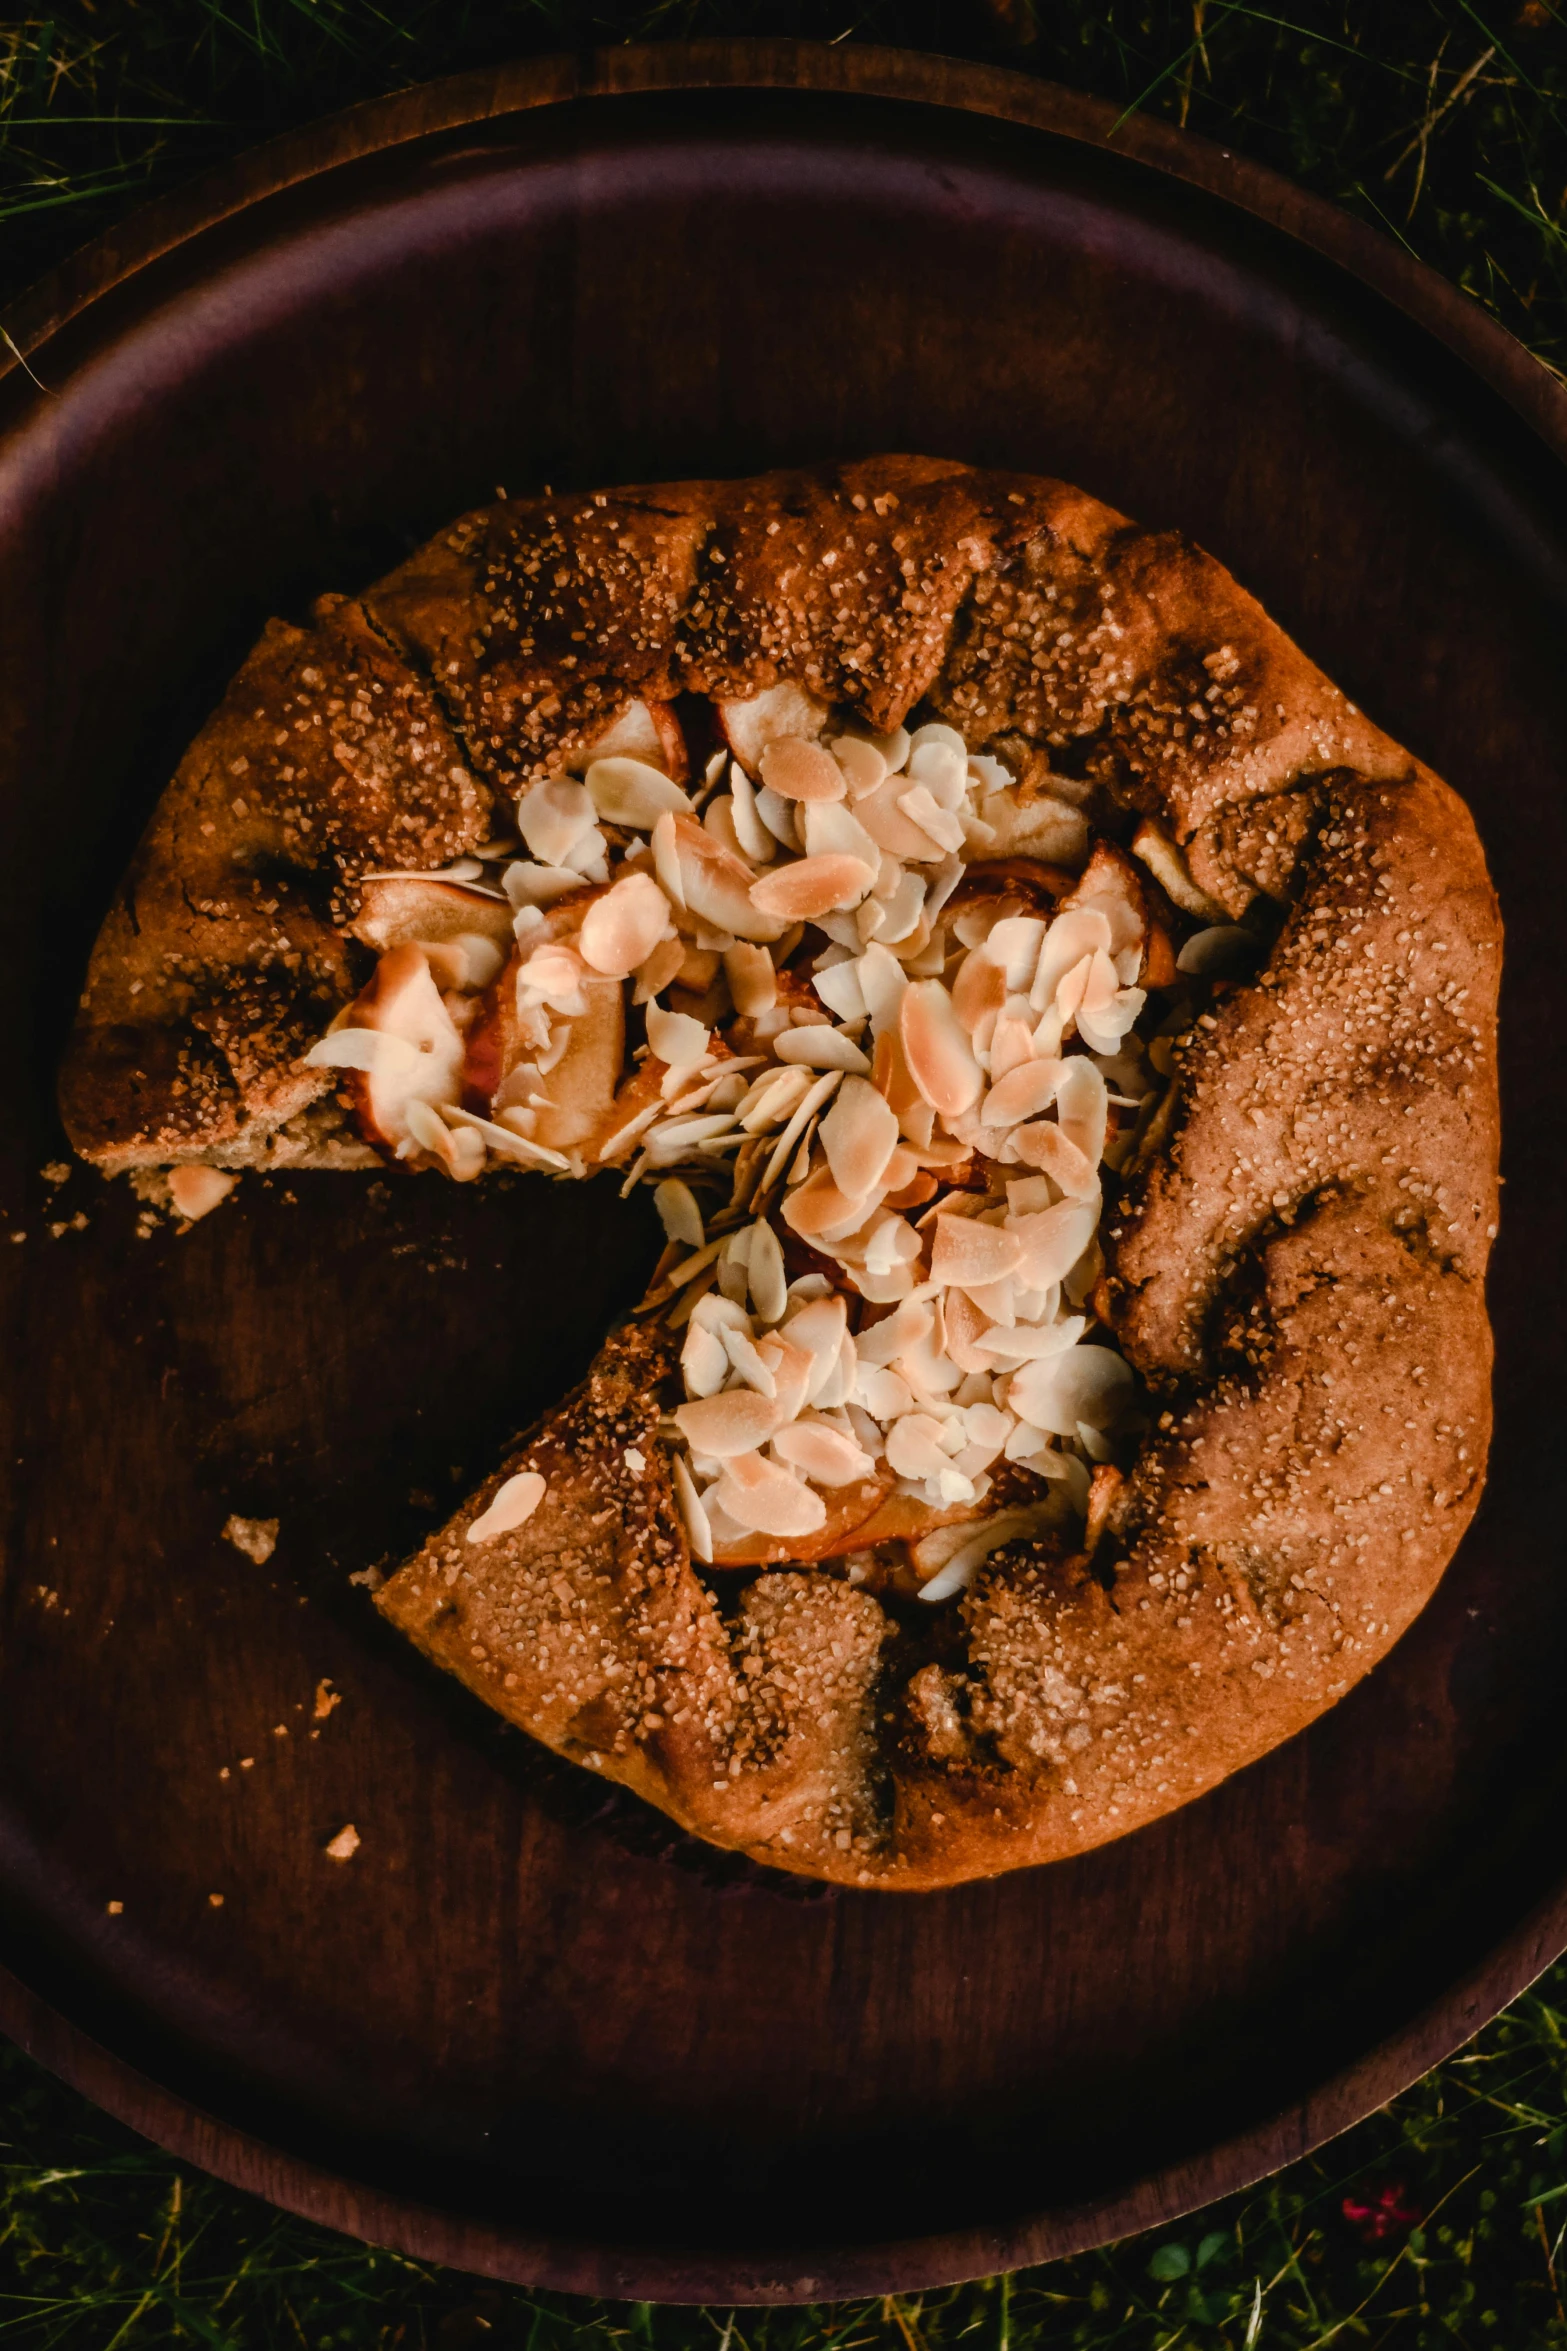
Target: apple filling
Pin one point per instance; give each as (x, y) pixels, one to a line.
(898, 1012)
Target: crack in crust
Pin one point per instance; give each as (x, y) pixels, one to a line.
(1296, 1269)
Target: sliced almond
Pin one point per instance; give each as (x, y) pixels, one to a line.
(765, 1275)
(1070, 938)
(1023, 1093)
(799, 770)
(630, 792)
(621, 929)
(667, 958)
(735, 1422)
(863, 765)
(704, 1361)
(514, 1502)
(1081, 1383)
(756, 842)
(819, 1047)
(699, 1531)
(678, 1212)
(791, 1369)
(859, 1135)
(819, 1212)
(820, 1328)
(1083, 1107)
(823, 1453)
(675, 1038)
(914, 1446)
(553, 815)
(809, 887)
(968, 1254)
(830, 830)
(940, 1058)
(750, 723)
(753, 981)
(709, 880)
(766, 1499)
(882, 814)
(1045, 1146)
(940, 825)
(1051, 1241)
(979, 991)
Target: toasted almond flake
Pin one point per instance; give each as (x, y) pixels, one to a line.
(553, 816)
(810, 887)
(819, 1212)
(699, 1532)
(940, 825)
(530, 886)
(1081, 1384)
(512, 1505)
(753, 982)
(553, 974)
(863, 765)
(819, 1327)
(735, 1422)
(1052, 1241)
(765, 1499)
(822, 1453)
(915, 1448)
(799, 770)
(678, 1212)
(939, 1056)
(979, 992)
(792, 1369)
(1014, 943)
(704, 1360)
(819, 1047)
(838, 986)
(750, 723)
(765, 1276)
(884, 1393)
(675, 1038)
(805, 1111)
(883, 817)
(1029, 1342)
(1043, 1145)
(1083, 1107)
(756, 842)
(661, 967)
(1071, 937)
(778, 820)
(964, 1326)
(740, 1348)
(1023, 1093)
(621, 929)
(629, 792)
(978, 1543)
(831, 831)
(859, 1135)
(967, 1253)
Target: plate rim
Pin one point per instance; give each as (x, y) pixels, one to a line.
(688, 2274)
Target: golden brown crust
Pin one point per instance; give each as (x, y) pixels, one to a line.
(1297, 1271)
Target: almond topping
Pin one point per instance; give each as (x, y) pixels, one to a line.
(765, 1499)
(939, 1056)
(859, 1135)
(736, 1422)
(823, 1453)
(799, 892)
(621, 929)
(968, 1254)
(629, 792)
(798, 770)
(513, 1504)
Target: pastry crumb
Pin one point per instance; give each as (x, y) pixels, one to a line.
(326, 1699)
(344, 1845)
(256, 1537)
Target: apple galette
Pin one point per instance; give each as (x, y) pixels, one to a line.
(1059, 1031)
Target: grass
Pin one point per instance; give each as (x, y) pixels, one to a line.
(1439, 2222)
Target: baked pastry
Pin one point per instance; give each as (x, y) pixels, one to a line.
(1061, 1030)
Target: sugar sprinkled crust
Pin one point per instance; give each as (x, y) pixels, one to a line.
(1296, 1268)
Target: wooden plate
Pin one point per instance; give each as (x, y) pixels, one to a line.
(527, 2029)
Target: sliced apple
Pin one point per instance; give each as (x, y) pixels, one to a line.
(748, 725)
(407, 910)
(401, 1045)
(648, 731)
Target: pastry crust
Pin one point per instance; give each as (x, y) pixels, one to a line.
(1296, 1267)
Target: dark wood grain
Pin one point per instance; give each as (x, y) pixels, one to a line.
(530, 2029)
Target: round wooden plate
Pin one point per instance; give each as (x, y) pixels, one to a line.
(528, 2029)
